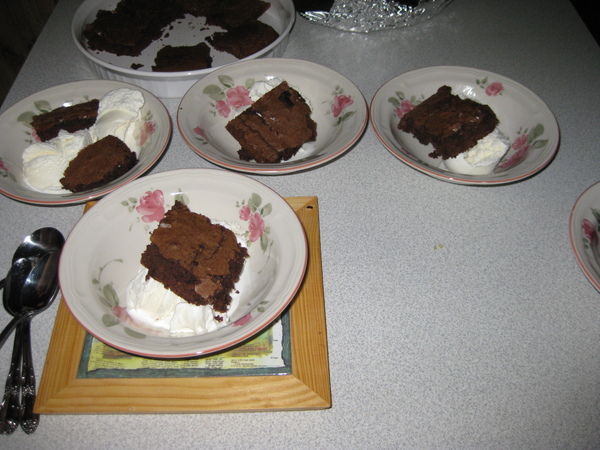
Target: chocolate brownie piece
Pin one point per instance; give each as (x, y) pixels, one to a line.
(245, 39)
(70, 118)
(198, 8)
(274, 127)
(131, 27)
(181, 59)
(98, 164)
(233, 13)
(451, 124)
(197, 260)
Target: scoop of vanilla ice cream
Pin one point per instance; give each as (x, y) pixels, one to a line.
(482, 158)
(260, 88)
(44, 163)
(149, 304)
(119, 114)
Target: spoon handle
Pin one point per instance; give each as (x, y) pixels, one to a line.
(10, 411)
(10, 327)
(29, 419)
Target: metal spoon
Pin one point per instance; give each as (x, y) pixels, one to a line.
(37, 293)
(10, 408)
(14, 282)
(38, 243)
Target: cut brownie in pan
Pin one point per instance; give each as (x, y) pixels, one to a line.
(245, 39)
(181, 59)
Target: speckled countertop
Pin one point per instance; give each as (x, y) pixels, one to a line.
(457, 316)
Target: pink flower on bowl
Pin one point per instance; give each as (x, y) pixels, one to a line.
(256, 227)
(253, 211)
(238, 97)
(340, 102)
(520, 143)
(405, 107)
(494, 89)
(223, 108)
(522, 149)
(147, 130)
(243, 321)
(589, 230)
(152, 206)
(199, 131)
(245, 212)
(34, 135)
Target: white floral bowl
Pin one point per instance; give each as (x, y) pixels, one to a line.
(524, 118)
(102, 255)
(338, 108)
(17, 135)
(281, 16)
(584, 228)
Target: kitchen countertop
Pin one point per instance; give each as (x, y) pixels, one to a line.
(457, 316)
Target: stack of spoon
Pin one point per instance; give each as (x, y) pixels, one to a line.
(29, 288)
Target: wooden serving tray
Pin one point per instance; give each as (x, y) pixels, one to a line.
(307, 387)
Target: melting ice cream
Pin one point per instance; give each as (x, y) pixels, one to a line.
(119, 114)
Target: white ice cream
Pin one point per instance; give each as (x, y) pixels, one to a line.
(45, 162)
(119, 114)
(150, 305)
(481, 159)
(260, 88)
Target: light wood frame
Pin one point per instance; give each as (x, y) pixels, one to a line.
(308, 387)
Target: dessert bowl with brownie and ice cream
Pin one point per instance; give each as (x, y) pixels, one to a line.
(465, 125)
(273, 116)
(194, 261)
(79, 141)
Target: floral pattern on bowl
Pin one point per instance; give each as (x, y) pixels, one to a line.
(584, 232)
(590, 231)
(527, 138)
(229, 98)
(15, 127)
(526, 120)
(338, 108)
(249, 217)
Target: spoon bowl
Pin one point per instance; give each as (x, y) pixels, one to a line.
(37, 244)
(40, 242)
(39, 287)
